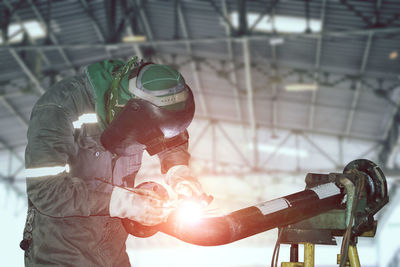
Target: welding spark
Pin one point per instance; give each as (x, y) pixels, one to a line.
(190, 212)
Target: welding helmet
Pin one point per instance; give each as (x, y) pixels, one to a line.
(159, 109)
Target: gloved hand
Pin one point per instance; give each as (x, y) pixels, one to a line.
(183, 182)
(141, 205)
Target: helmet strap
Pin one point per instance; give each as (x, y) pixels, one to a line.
(113, 97)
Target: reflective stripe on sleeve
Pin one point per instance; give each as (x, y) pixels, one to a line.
(85, 118)
(46, 171)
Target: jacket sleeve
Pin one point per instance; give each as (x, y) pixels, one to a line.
(177, 155)
(50, 148)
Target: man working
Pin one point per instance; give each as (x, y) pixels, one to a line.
(86, 137)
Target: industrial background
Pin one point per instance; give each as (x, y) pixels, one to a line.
(282, 88)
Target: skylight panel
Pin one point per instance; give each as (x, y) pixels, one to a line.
(16, 32)
(284, 151)
(34, 29)
(279, 23)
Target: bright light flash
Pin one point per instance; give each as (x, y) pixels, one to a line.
(190, 212)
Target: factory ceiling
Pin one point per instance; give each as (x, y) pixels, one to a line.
(280, 86)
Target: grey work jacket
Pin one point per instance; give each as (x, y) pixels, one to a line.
(68, 221)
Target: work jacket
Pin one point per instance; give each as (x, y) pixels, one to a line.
(70, 177)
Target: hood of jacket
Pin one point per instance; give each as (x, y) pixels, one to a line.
(100, 76)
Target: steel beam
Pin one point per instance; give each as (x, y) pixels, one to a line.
(136, 46)
(18, 19)
(286, 128)
(93, 21)
(12, 151)
(213, 148)
(391, 136)
(238, 169)
(17, 171)
(13, 111)
(27, 71)
(235, 168)
(146, 24)
(143, 17)
(51, 35)
(363, 66)
(9, 181)
(268, 9)
(340, 149)
(293, 101)
(297, 151)
(211, 40)
(250, 99)
(5, 101)
(357, 12)
(286, 67)
(277, 148)
(374, 147)
(232, 65)
(357, 91)
(242, 25)
(394, 201)
(200, 136)
(95, 24)
(110, 8)
(233, 144)
(275, 88)
(320, 150)
(21, 63)
(193, 63)
(20, 145)
(222, 15)
(317, 65)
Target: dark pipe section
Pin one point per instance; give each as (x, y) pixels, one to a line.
(294, 253)
(256, 219)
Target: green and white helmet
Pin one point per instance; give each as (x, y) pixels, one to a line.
(158, 105)
(161, 85)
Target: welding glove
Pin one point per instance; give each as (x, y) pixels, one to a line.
(183, 182)
(140, 205)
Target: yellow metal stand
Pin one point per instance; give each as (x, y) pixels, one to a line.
(309, 256)
(353, 256)
(353, 259)
(292, 264)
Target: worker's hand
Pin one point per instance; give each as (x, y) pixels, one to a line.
(183, 182)
(141, 205)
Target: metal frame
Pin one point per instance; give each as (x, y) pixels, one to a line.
(359, 85)
(283, 127)
(10, 178)
(210, 40)
(52, 37)
(228, 31)
(95, 23)
(318, 55)
(250, 100)
(231, 38)
(193, 63)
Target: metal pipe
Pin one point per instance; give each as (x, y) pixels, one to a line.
(294, 253)
(255, 219)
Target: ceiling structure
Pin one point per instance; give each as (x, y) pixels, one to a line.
(237, 69)
(240, 64)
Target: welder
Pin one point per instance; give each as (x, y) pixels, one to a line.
(86, 138)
